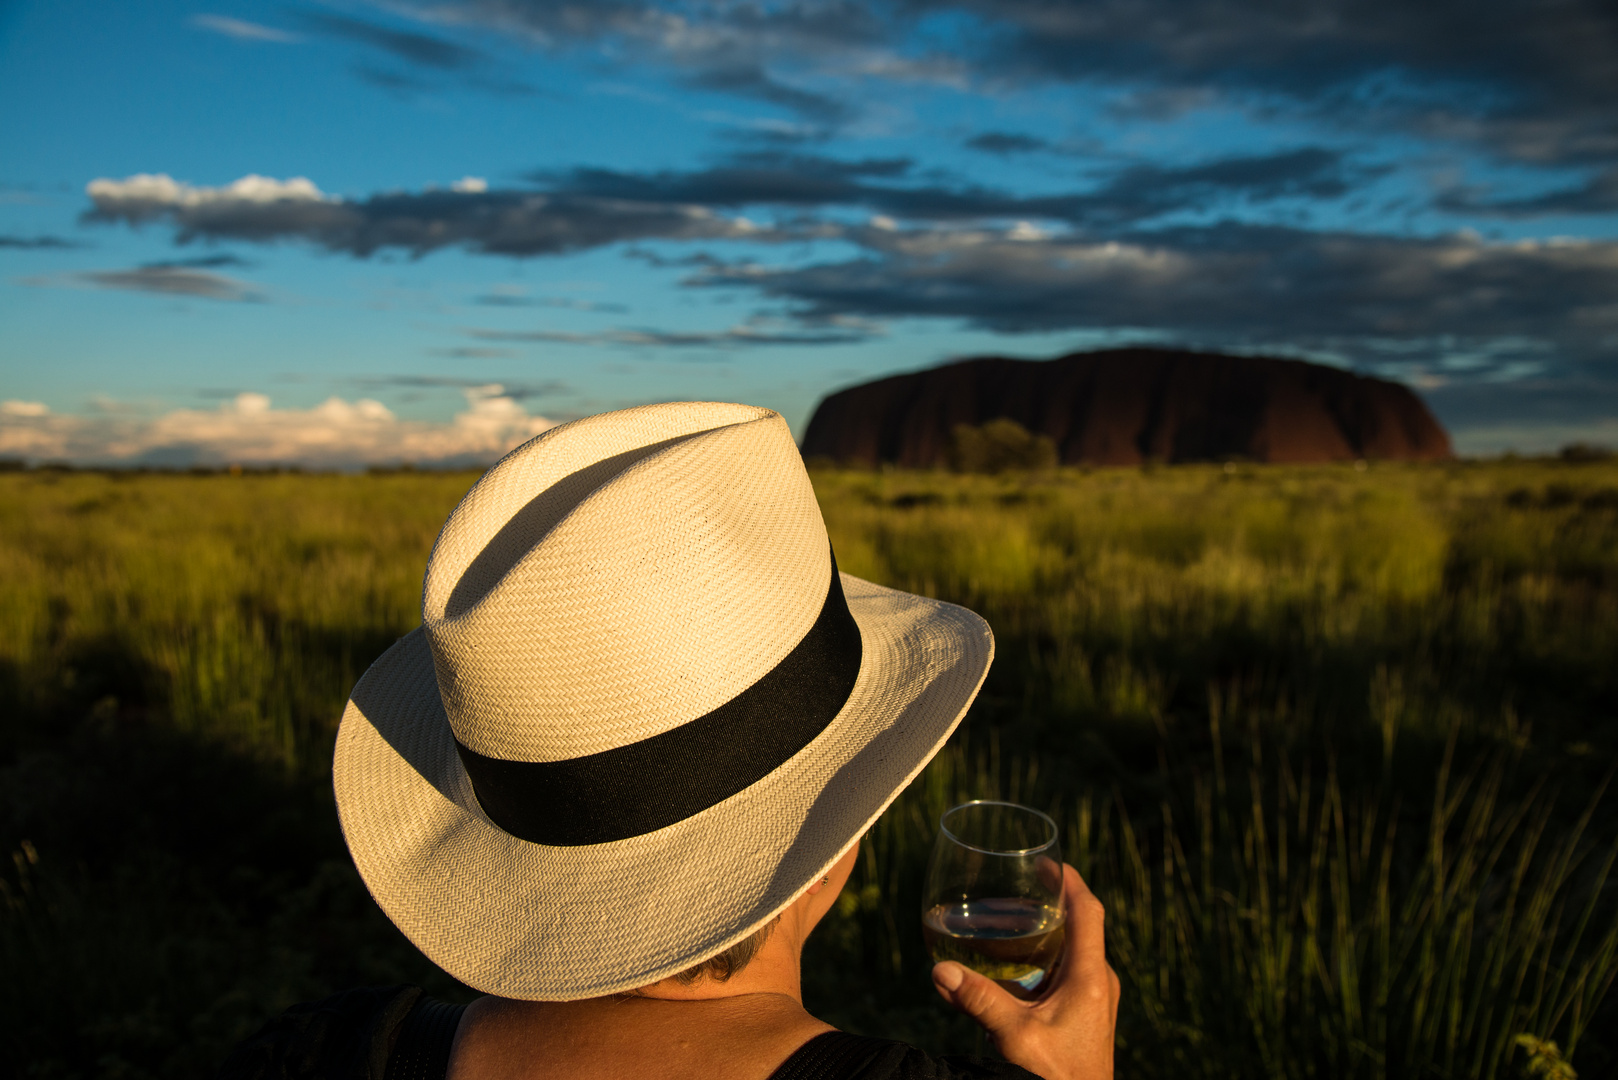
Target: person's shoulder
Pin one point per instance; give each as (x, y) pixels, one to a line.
(348, 1036)
(837, 1055)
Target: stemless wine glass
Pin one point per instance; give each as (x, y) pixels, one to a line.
(993, 899)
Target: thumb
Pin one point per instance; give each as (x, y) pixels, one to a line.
(979, 997)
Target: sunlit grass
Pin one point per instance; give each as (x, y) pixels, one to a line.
(238, 608)
(1329, 744)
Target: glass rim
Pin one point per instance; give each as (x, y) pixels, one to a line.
(945, 829)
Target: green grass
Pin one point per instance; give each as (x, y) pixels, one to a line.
(1331, 745)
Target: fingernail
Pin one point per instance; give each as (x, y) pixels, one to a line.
(949, 975)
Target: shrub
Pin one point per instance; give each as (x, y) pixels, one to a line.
(999, 446)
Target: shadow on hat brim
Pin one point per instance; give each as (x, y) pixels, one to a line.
(536, 922)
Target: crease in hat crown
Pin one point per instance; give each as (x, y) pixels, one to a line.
(617, 577)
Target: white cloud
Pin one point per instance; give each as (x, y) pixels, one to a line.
(151, 192)
(470, 185)
(242, 30)
(250, 431)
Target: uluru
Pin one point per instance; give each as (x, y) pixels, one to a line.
(1129, 406)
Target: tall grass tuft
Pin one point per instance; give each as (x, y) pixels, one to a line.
(1264, 921)
(1270, 924)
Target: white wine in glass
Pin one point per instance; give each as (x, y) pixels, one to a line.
(993, 899)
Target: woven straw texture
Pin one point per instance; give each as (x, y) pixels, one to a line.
(605, 582)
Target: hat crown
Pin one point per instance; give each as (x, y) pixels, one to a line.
(618, 577)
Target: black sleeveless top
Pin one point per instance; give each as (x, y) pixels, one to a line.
(399, 1033)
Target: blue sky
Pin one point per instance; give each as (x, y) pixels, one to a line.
(418, 228)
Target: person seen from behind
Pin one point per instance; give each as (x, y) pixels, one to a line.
(622, 770)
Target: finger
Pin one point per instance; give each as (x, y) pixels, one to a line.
(1050, 873)
(1086, 945)
(981, 998)
(1067, 965)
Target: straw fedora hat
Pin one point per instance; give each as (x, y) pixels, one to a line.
(643, 712)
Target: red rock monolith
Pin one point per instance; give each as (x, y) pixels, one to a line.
(1128, 406)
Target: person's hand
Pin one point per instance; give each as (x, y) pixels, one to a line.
(1066, 1034)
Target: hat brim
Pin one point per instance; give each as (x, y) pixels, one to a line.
(536, 922)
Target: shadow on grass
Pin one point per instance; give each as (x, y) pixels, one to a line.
(165, 897)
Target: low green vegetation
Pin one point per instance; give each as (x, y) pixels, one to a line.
(1332, 745)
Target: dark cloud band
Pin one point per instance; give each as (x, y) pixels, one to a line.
(494, 223)
(1531, 81)
(1368, 296)
(1094, 264)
